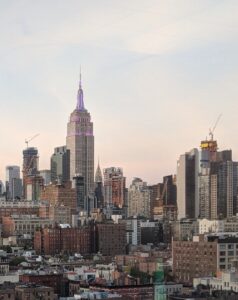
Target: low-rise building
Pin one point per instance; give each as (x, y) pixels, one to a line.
(7, 291)
(111, 239)
(203, 256)
(51, 241)
(224, 281)
(25, 292)
(23, 224)
(60, 214)
(8, 208)
(184, 229)
(193, 259)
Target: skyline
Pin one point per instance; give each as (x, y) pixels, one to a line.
(154, 69)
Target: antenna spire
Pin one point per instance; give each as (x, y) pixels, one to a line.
(80, 101)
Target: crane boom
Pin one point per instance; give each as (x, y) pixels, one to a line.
(211, 131)
(30, 139)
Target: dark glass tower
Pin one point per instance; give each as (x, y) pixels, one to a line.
(30, 165)
(59, 165)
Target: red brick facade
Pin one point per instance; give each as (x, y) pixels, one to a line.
(62, 194)
(50, 241)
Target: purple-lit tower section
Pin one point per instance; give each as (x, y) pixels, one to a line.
(80, 143)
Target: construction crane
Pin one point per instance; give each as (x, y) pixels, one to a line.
(27, 141)
(211, 131)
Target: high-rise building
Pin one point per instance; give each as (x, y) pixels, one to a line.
(2, 188)
(80, 143)
(217, 182)
(13, 182)
(207, 155)
(30, 165)
(59, 164)
(223, 189)
(114, 186)
(99, 198)
(32, 187)
(188, 185)
(138, 199)
(163, 202)
(46, 175)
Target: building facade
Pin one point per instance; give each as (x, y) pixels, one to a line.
(59, 194)
(46, 175)
(13, 183)
(23, 225)
(80, 143)
(114, 186)
(30, 166)
(99, 189)
(138, 199)
(59, 164)
(188, 185)
(51, 241)
(111, 239)
(204, 256)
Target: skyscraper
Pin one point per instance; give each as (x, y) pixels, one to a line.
(187, 185)
(80, 143)
(30, 165)
(2, 189)
(114, 186)
(59, 164)
(99, 198)
(13, 182)
(217, 182)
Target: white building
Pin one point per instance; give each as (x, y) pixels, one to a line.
(138, 199)
(216, 226)
(206, 226)
(226, 281)
(133, 230)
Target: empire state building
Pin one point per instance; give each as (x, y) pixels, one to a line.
(80, 143)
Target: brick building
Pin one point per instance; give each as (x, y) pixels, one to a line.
(8, 208)
(60, 214)
(111, 239)
(50, 241)
(26, 292)
(204, 256)
(193, 259)
(114, 186)
(59, 194)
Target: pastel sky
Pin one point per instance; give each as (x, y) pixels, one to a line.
(156, 75)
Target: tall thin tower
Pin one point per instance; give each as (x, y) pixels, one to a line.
(80, 143)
